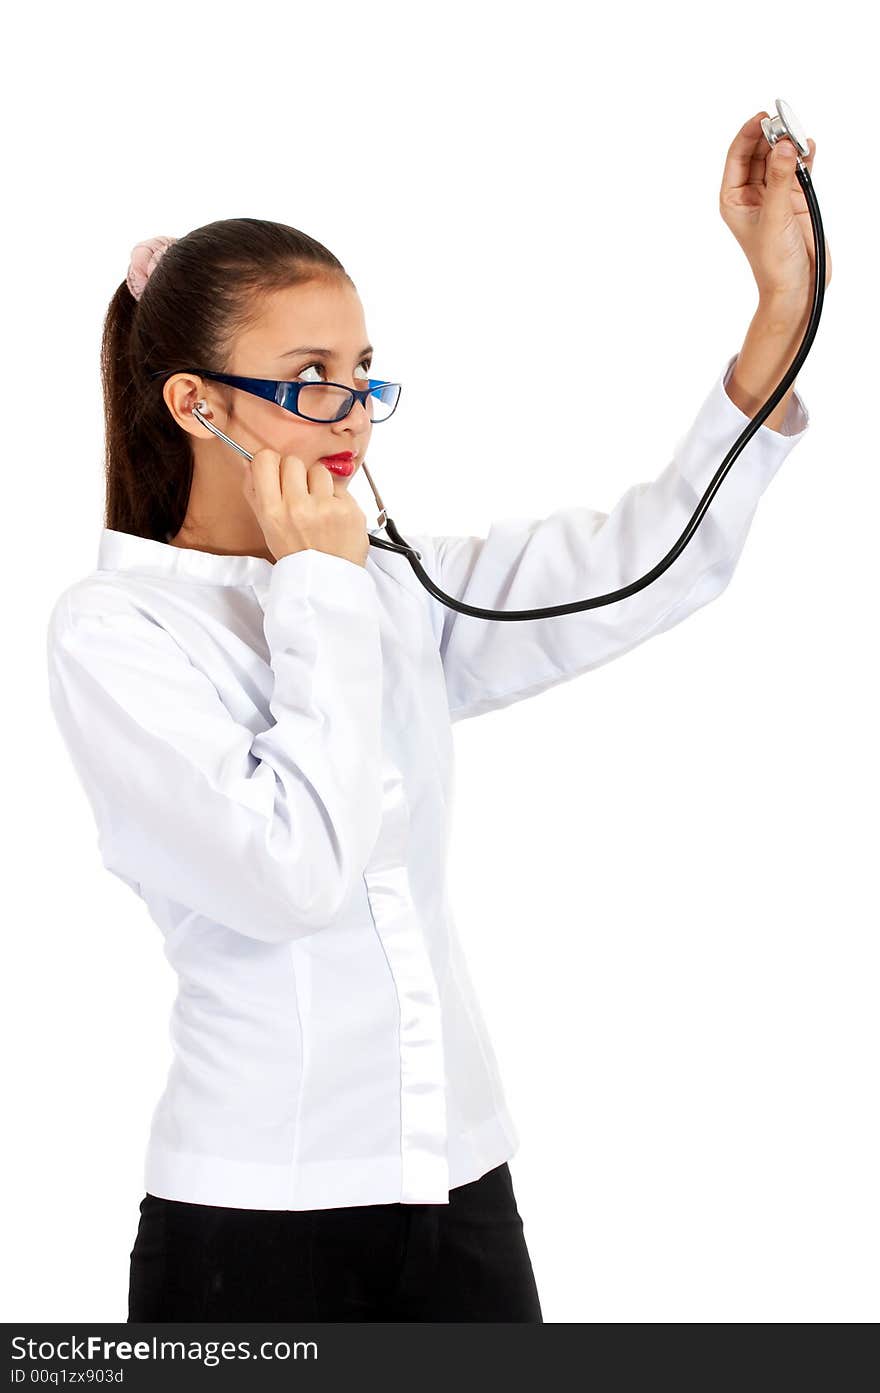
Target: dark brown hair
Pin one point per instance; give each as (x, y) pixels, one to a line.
(207, 286)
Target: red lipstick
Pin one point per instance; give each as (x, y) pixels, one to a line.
(342, 463)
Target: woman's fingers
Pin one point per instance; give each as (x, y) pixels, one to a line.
(266, 477)
(809, 160)
(744, 150)
(747, 161)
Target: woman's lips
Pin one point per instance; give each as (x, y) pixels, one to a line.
(339, 464)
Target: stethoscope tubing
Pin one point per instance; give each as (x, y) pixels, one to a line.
(739, 444)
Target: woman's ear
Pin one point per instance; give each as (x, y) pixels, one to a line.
(181, 394)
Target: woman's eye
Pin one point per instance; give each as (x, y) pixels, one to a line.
(319, 367)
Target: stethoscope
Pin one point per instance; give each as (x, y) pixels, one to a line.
(783, 125)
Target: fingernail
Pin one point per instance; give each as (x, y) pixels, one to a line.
(786, 149)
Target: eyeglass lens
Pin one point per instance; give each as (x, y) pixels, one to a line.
(324, 402)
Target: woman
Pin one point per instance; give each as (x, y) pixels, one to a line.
(259, 706)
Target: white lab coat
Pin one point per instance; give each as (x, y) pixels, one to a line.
(267, 752)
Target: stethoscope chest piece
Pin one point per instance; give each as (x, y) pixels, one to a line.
(786, 123)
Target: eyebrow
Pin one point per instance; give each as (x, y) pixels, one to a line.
(325, 352)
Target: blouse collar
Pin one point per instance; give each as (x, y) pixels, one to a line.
(123, 551)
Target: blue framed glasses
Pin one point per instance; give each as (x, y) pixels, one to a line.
(313, 401)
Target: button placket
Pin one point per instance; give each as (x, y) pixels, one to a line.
(423, 1121)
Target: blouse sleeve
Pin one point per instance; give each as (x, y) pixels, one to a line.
(577, 552)
(267, 833)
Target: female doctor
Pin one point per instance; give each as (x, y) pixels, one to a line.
(258, 705)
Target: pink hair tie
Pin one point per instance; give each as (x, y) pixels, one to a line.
(145, 257)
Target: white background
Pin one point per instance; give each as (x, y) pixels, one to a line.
(672, 855)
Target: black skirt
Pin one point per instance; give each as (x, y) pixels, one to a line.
(462, 1261)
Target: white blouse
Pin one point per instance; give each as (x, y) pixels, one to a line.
(268, 755)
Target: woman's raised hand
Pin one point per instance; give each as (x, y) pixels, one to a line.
(765, 208)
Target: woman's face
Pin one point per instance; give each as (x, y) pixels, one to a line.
(325, 315)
